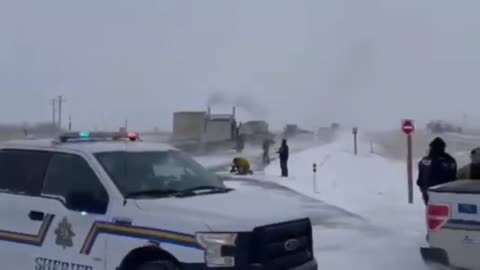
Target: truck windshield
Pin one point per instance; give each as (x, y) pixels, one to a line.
(154, 172)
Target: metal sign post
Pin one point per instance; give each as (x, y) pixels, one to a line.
(315, 178)
(410, 168)
(408, 128)
(355, 145)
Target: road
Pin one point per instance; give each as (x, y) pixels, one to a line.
(320, 213)
(324, 217)
(337, 231)
(222, 161)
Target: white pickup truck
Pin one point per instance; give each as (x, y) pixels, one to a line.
(453, 221)
(107, 201)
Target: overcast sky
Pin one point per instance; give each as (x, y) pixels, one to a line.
(359, 62)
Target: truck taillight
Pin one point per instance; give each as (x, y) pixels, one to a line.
(437, 216)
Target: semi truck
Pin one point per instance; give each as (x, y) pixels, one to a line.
(255, 132)
(202, 131)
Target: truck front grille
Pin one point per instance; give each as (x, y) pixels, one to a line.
(281, 246)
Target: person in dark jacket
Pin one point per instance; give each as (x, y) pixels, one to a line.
(471, 170)
(438, 167)
(283, 155)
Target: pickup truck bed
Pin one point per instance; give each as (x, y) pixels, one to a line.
(459, 187)
(453, 221)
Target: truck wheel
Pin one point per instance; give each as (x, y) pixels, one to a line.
(158, 265)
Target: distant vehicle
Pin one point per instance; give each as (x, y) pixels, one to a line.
(440, 126)
(335, 126)
(453, 221)
(254, 127)
(255, 131)
(325, 134)
(292, 130)
(106, 201)
(196, 129)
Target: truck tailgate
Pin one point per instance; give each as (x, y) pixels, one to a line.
(453, 220)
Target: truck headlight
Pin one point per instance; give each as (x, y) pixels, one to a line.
(212, 244)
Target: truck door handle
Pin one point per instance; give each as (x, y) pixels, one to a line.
(36, 215)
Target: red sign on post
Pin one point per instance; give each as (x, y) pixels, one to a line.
(408, 127)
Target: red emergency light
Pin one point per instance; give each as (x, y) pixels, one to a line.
(133, 136)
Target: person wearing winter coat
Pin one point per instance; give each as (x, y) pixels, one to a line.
(438, 167)
(471, 170)
(283, 153)
(241, 166)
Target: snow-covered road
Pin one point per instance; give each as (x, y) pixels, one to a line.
(223, 160)
(384, 231)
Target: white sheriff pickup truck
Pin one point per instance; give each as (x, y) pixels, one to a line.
(453, 221)
(105, 200)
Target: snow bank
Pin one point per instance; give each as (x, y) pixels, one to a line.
(371, 186)
(358, 183)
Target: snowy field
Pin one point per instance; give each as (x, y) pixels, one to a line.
(392, 144)
(386, 232)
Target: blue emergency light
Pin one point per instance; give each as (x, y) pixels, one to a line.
(96, 136)
(84, 134)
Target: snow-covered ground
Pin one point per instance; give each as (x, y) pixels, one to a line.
(225, 158)
(393, 144)
(371, 186)
(254, 152)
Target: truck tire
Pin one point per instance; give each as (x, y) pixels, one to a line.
(158, 265)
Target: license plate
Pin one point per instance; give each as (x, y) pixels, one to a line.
(465, 208)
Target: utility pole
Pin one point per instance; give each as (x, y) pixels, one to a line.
(53, 102)
(355, 145)
(60, 102)
(69, 122)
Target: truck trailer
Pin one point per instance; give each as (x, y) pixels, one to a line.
(202, 131)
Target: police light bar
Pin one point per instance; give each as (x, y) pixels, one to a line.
(68, 136)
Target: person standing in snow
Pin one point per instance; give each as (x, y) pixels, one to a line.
(438, 167)
(471, 170)
(283, 155)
